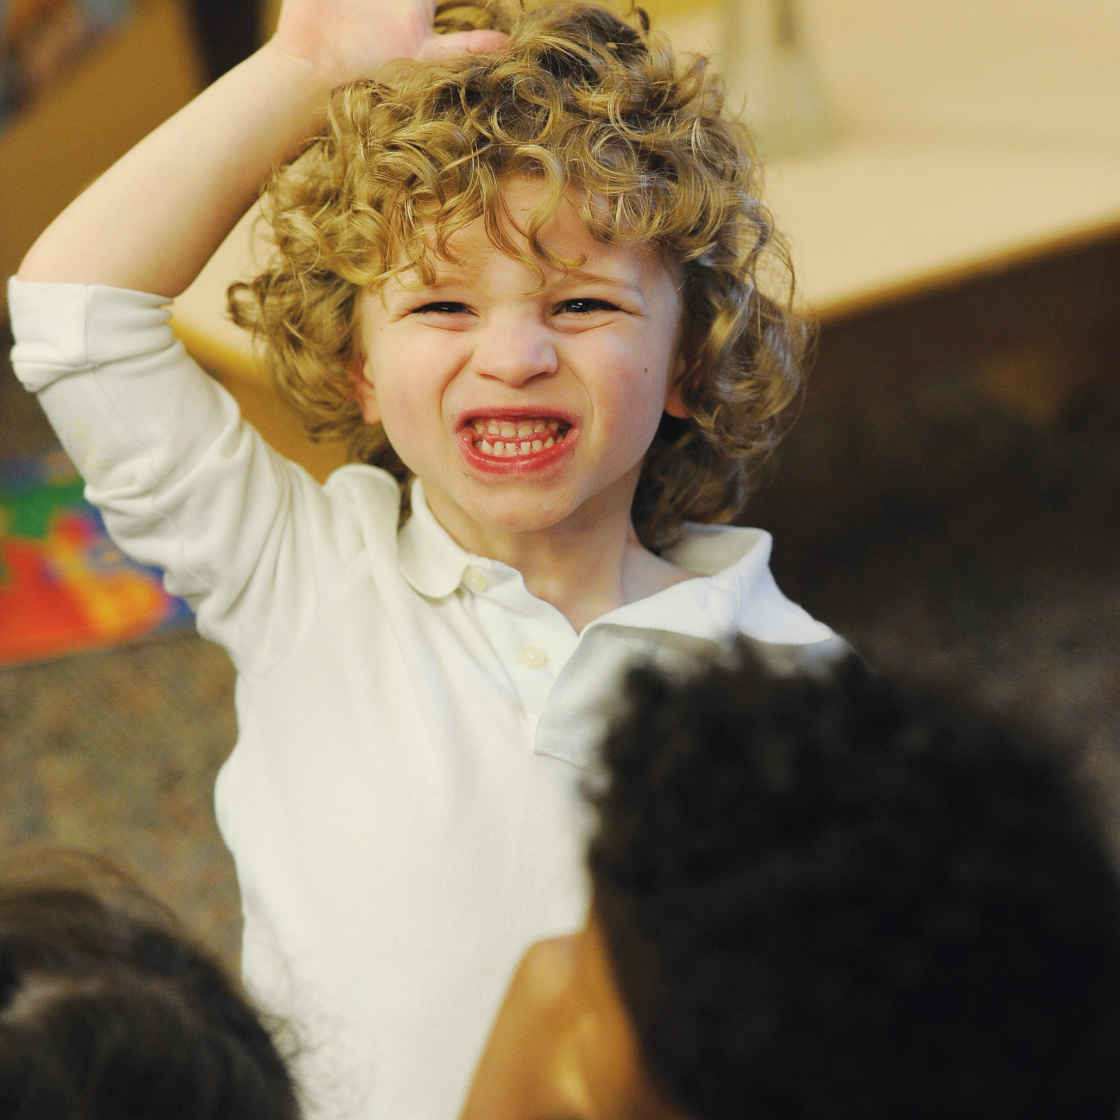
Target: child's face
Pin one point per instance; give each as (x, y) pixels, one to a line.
(524, 407)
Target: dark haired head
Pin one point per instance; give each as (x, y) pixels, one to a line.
(826, 897)
(108, 1012)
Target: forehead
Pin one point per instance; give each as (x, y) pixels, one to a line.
(552, 231)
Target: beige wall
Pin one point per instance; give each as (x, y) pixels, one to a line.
(135, 77)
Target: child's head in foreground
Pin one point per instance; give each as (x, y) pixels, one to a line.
(108, 1012)
(585, 115)
(824, 896)
(819, 897)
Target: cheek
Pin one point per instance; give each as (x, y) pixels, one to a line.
(401, 412)
(630, 366)
(639, 395)
(408, 382)
(609, 1059)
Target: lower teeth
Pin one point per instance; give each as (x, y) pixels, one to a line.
(513, 450)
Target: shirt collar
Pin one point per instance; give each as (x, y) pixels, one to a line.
(735, 593)
(738, 593)
(429, 558)
(434, 563)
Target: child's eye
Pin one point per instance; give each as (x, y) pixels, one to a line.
(582, 305)
(441, 307)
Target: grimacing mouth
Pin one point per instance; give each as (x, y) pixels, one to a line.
(507, 438)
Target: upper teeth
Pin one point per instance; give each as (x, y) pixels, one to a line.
(508, 429)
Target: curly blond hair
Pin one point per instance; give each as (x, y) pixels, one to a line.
(584, 100)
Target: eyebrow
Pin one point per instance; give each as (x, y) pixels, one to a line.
(456, 276)
(580, 275)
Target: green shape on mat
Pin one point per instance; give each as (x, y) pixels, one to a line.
(29, 512)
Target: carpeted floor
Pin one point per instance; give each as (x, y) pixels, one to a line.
(947, 501)
(117, 751)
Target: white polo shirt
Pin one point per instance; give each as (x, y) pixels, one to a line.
(403, 801)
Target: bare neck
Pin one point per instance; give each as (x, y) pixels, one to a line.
(586, 575)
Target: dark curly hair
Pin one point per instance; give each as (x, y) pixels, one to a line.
(108, 1011)
(581, 99)
(828, 897)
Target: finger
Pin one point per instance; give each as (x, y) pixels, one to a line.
(457, 43)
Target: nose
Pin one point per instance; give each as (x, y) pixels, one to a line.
(515, 350)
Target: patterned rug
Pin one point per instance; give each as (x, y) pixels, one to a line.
(64, 586)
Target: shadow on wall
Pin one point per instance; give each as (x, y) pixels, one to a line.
(946, 498)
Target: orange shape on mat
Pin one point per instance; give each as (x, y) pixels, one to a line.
(72, 590)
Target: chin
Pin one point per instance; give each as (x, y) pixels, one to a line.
(518, 521)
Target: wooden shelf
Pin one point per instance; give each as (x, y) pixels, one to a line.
(968, 138)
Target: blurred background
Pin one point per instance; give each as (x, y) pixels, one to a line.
(948, 178)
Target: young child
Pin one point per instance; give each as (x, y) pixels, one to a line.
(823, 896)
(109, 1011)
(522, 270)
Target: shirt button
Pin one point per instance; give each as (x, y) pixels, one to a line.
(533, 657)
(474, 579)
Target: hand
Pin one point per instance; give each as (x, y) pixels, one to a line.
(345, 40)
(155, 218)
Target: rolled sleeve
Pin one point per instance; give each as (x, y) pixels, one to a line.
(183, 483)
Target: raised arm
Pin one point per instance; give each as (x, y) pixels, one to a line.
(155, 217)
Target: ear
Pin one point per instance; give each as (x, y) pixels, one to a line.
(674, 403)
(361, 386)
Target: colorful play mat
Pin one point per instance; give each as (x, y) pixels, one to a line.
(64, 586)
